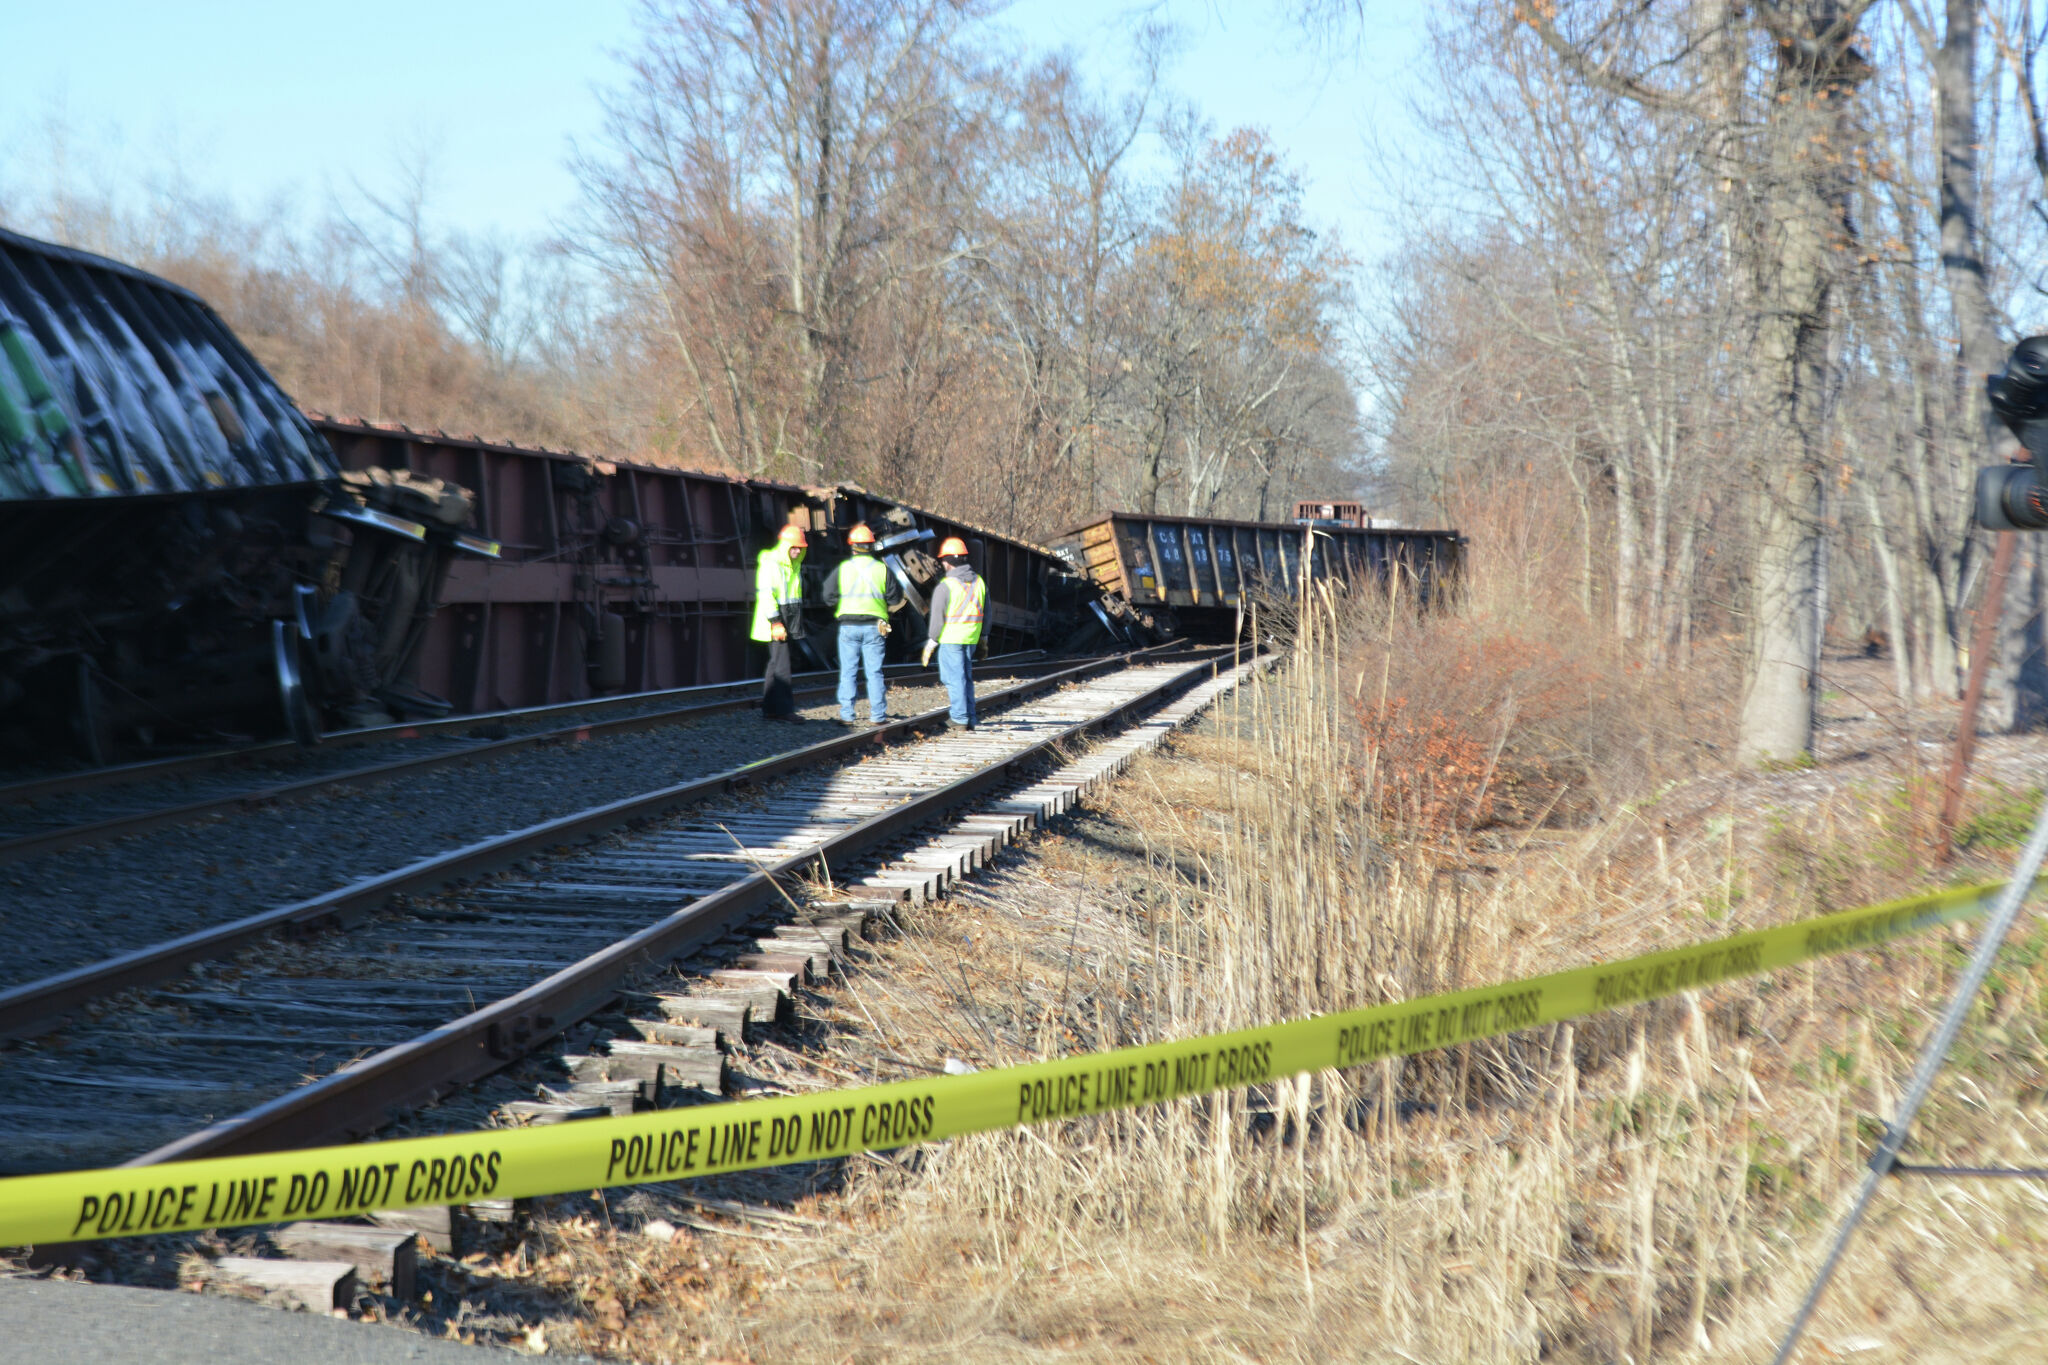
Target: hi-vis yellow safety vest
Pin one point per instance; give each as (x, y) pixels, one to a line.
(863, 587)
(778, 580)
(965, 605)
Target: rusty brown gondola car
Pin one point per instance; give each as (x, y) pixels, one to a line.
(186, 555)
(621, 576)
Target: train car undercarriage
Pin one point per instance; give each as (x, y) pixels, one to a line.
(129, 623)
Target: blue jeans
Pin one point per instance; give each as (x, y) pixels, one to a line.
(860, 644)
(956, 671)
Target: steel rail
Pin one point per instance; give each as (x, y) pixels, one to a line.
(36, 1006)
(52, 840)
(357, 1100)
(181, 765)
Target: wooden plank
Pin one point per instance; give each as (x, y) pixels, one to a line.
(435, 1224)
(949, 864)
(832, 936)
(493, 1210)
(767, 959)
(815, 956)
(982, 844)
(678, 1035)
(726, 1013)
(538, 1113)
(317, 1286)
(858, 924)
(700, 1068)
(784, 983)
(386, 1256)
(615, 1096)
(916, 887)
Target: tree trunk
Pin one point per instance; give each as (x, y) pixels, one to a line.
(1795, 315)
(1674, 623)
(1938, 564)
(1962, 253)
(1894, 592)
(1821, 585)
(2029, 650)
(1627, 550)
(2022, 687)
(1777, 714)
(1659, 574)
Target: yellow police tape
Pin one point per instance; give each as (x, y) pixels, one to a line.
(671, 1144)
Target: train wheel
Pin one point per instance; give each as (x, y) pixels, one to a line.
(300, 719)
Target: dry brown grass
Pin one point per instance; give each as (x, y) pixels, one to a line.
(1651, 1184)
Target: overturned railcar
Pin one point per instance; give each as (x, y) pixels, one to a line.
(185, 555)
(180, 551)
(619, 576)
(1195, 575)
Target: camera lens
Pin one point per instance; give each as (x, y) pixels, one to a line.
(2011, 497)
(2029, 362)
(2019, 395)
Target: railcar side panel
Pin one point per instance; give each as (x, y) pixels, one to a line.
(617, 576)
(1198, 571)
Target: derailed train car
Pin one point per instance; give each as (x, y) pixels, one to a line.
(617, 576)
(1195, 575)
(180, 550)
(184, 554)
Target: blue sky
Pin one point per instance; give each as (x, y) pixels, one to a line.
(262, 101)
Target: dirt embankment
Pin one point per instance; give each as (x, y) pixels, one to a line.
(1652, 1183)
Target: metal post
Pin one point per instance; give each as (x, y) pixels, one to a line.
(1931, 1057)
(1983, 644)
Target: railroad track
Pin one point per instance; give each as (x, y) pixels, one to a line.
(76, 780)
(408, 1004)
(48, 814)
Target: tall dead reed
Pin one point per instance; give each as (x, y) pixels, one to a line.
(1649, 1184)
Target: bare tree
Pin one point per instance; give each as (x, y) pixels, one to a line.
(1777, 86)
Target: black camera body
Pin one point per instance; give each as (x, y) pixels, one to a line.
(2013, 497)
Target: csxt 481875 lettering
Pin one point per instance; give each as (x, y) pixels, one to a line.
(180, 550)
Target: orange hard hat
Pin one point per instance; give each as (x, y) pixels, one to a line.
(860, 535)
(792, 535)
(953, 545)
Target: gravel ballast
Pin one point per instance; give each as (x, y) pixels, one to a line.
(70, 908)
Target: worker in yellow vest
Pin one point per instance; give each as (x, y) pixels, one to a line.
(862, 593)
(959, 603)
(779, 618)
